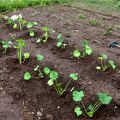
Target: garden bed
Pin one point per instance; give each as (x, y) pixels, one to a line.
(34, 99)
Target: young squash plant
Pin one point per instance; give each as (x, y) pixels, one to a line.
(38, 69)
(45, 35)
(105, 63)
(58, 86)
(6, 44)
(16, 21)
(60, 42)
(87, 50)
(30, 25)
(20, 44)
(103, 99)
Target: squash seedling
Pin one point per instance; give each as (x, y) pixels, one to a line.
(38, 67)
(45, 35)
(53, 75)
(105, 63)
(60, 42)
(17, 21)
(87, 50)
(19, 46)
(103, 99)
(6, 44)
(30, 25)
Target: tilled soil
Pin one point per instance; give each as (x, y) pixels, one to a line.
(34, 99)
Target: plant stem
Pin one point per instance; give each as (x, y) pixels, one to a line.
(84, 107)
(65, 87)
(20, 56)
(97, 107)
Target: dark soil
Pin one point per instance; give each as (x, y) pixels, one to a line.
(34, 100)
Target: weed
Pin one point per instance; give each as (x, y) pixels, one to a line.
(87, 50)
(103, 99)
(93, 22)
(105, 63)
(81, 17)
(109, 31)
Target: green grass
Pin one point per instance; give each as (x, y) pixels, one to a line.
(9, 5)
(104, 6)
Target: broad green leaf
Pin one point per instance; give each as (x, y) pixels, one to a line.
(104, 98)
(50, 82)
(53, 75)
(32, 34)
(45, 28)
(74, 76)
(112, 64)
(104, 56)
(40, 57)
(27, 76)
(78, 111)
(77, 96)
(46, 70)
(76, 53)
(91, 107)
(21, 43)
(59, 44)
(88, 50)
(26, 55)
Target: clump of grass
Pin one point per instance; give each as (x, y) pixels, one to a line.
(10, 5)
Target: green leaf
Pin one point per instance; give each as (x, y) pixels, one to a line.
(77, 96)
(27, 76)
(76, 53)
(26, 55)
(50, 82)
(74, 76)
(15, 26)
(104, 98)
(31, 33)
(46, 70)
(88, 50)
(53, 75)
(104, 56)
(78, 111)
(40, 57)
(112, 64)
(59, 44)
(45, 28)
(91, 107)
(21, 43)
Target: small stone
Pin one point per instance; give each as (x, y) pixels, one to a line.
(39, 114)
(11, 78)
(115, 107)
(58, 107)
(49, 117)
(89, 83)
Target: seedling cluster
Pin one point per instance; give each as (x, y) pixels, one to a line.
(18, 22)
(87, 50)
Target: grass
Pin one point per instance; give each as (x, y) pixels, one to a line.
(9, 5)
(103, 6)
